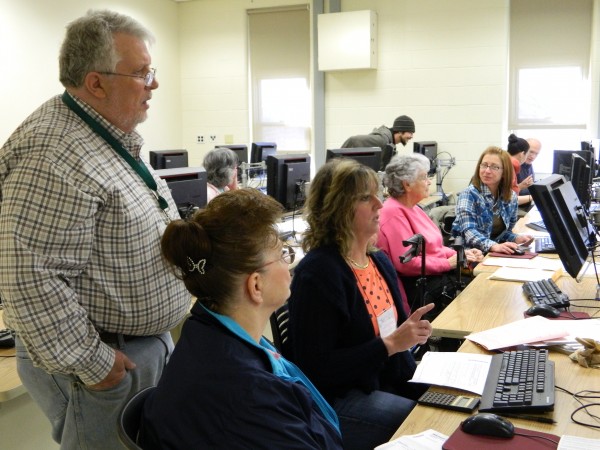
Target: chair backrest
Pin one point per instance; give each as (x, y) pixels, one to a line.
(130, 418)
(279, 328)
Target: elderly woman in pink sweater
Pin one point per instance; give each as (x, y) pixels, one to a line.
(400, 218)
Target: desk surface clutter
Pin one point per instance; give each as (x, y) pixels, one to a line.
(486, 304)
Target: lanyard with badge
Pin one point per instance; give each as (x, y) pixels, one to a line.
(138, 167)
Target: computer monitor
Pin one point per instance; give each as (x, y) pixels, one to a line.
(187, 185)
(369, 156)
(286, 176)
(240, 150)
(564, 219)
(261, 150)
(581, 179)
(168, 159)
(429, 149)
(563, 160)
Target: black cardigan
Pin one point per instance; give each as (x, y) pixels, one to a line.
(332, 337)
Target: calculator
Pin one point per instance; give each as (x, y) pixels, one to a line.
(449, 401)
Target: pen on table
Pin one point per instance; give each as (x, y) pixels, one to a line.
(526, 417)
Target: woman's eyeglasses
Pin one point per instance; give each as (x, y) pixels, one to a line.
(287, 255)
(492, 167)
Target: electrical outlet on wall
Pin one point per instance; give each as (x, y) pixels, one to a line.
(200, 140)
(213, 137)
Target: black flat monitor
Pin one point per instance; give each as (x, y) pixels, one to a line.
(240, 150)
(581, 179)
(168, 159)
(563, 160)
(429, 149)
(286, 177)
(187, 185)
(369, 156)
(565, 220)
(261, 150)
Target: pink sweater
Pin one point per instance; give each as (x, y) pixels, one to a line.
(398, 223)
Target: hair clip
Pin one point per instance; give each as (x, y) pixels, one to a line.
(199, 266)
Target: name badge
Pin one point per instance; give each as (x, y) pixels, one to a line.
(386, 322)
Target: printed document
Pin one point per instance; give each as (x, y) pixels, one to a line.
(466, 371)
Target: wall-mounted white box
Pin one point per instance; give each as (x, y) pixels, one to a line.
(347, 40)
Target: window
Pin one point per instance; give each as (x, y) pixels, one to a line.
(279, 55)
(549, 71)
(552, 96)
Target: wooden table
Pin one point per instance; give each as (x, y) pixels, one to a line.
(486, 304)
(568, 375)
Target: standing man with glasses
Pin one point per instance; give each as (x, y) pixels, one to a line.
(486, 211)
(81, 217)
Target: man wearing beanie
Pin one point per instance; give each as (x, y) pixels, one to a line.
(385, 138)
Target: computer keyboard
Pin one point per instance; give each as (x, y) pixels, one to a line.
(544, 245)
(519, 381)
(545, 292)
(538, 226)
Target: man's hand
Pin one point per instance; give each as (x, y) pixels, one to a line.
(119, 369)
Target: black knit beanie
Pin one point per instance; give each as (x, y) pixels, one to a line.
(402, 124)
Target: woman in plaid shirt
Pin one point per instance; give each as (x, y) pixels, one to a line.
(486, 211)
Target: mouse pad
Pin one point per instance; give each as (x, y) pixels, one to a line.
(459, 440)
(565, 315)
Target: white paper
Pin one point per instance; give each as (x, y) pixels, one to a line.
(585, 328)
(516, 274)
(427, 440)
(577, 443)
(466, 371)
(524, 331)
(538, 262)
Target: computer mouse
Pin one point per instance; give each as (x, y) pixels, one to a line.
(543, 310)
(488, 424)
(518, 251)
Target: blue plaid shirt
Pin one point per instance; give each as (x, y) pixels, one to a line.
(475, 217)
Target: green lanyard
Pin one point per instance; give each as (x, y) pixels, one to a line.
(140, 169)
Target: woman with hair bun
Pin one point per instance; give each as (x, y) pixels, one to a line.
(225, 386)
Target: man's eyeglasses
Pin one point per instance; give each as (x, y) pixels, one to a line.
(287, 255)
(492, 167)
(148, 78)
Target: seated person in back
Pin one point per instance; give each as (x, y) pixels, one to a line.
(349, 330)
(518, 148)
(225, 386)
(486, 211)
(400, 218)
(221, 165)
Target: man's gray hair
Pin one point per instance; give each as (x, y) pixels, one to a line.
(89, 45)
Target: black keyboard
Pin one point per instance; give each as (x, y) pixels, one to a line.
(538, 226)
(545, 292)
(544, 245)
(519, 381)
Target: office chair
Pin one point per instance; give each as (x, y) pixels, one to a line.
(279, 327)
(130, 417)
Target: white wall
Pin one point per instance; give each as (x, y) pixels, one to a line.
(444, 63)
(31, 32)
